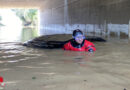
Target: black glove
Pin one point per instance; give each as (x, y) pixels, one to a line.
(90, 50)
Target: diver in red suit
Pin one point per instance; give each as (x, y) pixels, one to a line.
(79, 43)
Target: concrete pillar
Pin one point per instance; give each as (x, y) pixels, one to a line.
(106, 28)
(129, 30)
(66, 23)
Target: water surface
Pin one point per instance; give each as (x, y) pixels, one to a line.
(26, 68)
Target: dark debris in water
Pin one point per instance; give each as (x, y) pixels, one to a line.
(33, 78)
(85, 80)
(78, 58)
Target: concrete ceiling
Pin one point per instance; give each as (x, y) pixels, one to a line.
(21, 3)
(111, 2)
(41, 3)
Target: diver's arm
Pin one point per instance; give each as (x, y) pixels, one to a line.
(90, 47)
(66, 46)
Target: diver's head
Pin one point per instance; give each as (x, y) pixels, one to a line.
(78, 36)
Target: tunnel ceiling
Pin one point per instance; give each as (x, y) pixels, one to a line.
(21, 3)
(39, 3)
(20, 0)
(109, 2)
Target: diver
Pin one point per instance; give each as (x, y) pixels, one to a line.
(79, 43)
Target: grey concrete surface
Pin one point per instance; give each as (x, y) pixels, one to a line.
(94, 17)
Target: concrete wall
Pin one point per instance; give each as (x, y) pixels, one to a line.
(94, 17)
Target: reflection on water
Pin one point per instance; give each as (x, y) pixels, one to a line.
(28, 33)
(15, 35)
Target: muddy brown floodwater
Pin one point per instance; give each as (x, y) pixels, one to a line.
(25, 68)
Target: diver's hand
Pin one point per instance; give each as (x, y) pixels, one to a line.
(90, 50)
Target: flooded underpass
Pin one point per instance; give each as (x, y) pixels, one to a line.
(25, 68)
